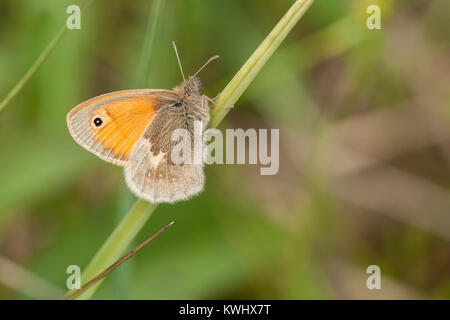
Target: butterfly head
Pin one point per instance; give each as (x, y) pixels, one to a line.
(190, 87)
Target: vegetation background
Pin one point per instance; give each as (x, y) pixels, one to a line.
(364, 161)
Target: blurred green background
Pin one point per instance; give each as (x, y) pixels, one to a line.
(364, 152)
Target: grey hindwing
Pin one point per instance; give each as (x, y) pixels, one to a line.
(151, 174)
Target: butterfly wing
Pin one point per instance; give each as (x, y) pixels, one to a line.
(111, 124)
(151, 173)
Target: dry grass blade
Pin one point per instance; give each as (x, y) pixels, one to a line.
(75, 294)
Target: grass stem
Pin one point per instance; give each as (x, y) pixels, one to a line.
(136, 218)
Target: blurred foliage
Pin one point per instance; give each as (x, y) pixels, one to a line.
(364, 160)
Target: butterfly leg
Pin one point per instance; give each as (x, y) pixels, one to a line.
(215, 104)
(215, 98)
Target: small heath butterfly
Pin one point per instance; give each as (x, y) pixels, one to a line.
(133, 129)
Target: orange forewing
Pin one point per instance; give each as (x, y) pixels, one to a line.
(125, 116)
(125, 121)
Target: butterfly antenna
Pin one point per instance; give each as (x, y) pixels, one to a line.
(178, 58)
(206, 63)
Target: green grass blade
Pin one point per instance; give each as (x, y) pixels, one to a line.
(32, 70)
(36, 64)
(136, 218)
(150, 35)
(258, 59)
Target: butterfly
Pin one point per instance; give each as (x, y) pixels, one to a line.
(133, 129)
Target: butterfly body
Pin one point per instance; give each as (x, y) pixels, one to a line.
(133, 129)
